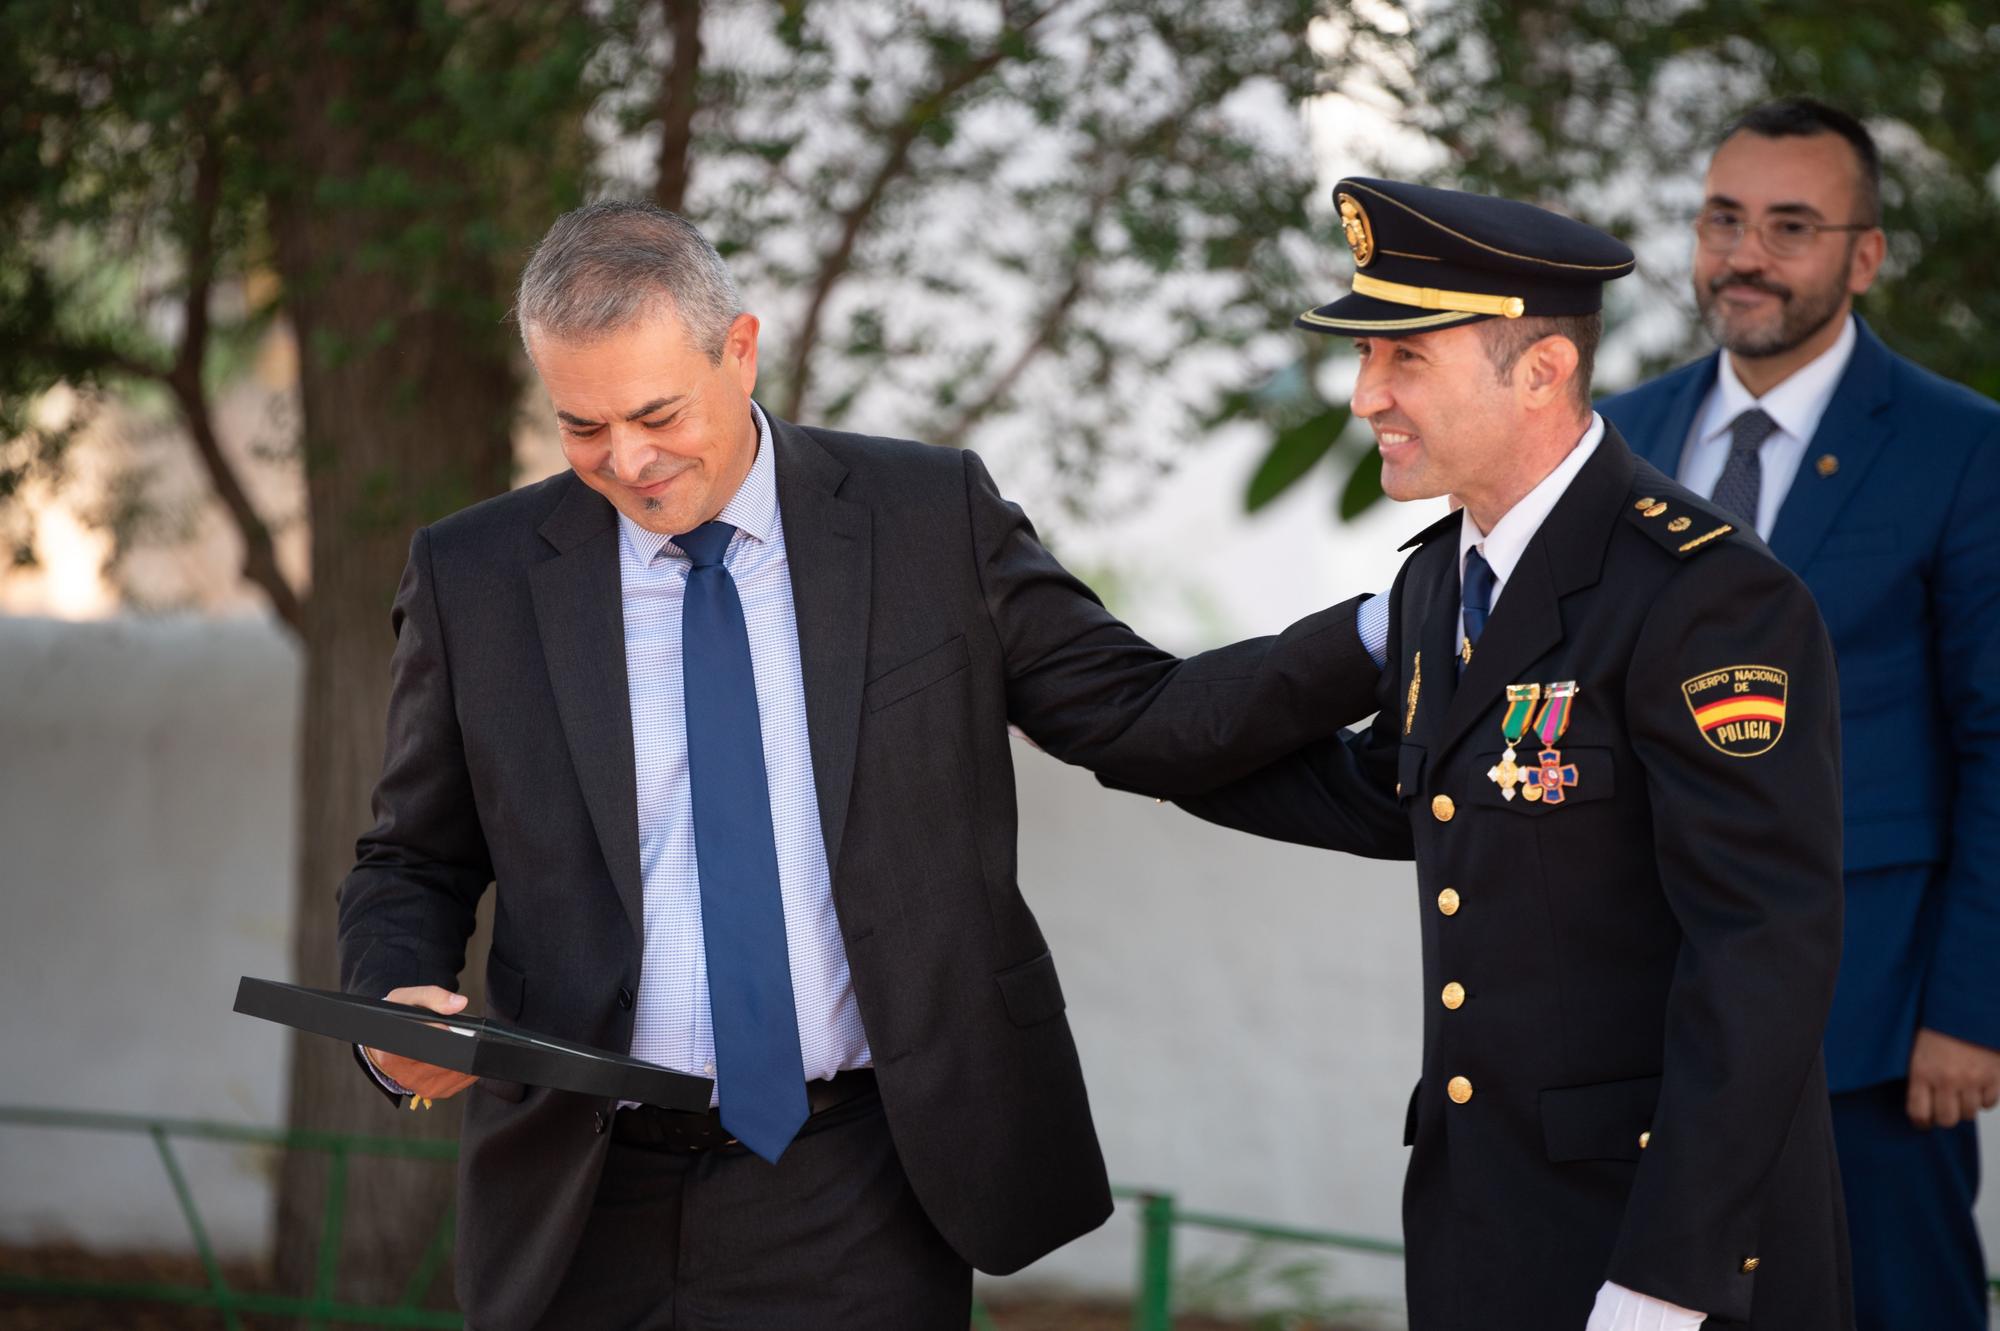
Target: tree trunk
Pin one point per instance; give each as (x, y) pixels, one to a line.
(407, 390)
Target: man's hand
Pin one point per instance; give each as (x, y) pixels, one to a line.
(424, 1079)
(1950, 1080)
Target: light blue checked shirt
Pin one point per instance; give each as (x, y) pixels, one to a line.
(671, 1022)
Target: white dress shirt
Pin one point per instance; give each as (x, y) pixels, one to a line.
(1796, 405)
(1617, 1308)
(671, 1024)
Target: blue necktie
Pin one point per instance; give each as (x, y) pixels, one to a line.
(759, 1073)
(1475, 599)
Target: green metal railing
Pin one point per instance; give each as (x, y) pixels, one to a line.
(1160, 1215)
(322, 1306)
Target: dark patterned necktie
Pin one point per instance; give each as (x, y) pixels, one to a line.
(760, 1079)
(1742, 477)
(1475, 600)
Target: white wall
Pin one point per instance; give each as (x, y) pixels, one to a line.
(1249, 1013)
(146, 807)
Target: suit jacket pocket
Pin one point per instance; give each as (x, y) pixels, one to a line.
(1601, 1121)
(506, 991)
(941, 662)
(1031, 991)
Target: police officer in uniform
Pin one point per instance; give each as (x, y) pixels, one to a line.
(1608, 738)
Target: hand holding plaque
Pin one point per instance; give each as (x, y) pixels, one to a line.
(424, 1079)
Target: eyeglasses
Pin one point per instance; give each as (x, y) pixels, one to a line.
(1721, 231)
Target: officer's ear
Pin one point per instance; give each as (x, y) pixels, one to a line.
(1546, 372)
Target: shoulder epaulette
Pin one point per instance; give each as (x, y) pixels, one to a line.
(1681, 524)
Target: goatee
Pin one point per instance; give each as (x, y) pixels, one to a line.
(1800, 316)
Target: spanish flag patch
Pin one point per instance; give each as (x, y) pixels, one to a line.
(1740, 709)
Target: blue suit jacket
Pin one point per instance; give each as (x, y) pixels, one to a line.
(1894, 523)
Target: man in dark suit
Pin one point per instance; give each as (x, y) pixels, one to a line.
(1879, 483)
(1608, 737)
(724, 713)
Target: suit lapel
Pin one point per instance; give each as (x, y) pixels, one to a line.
(1436, 618)
(579, 609)
(1565, 555)
(1664, 445)
(1855, 430)
(828, 543)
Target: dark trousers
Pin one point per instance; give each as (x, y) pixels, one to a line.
(829, 1238)
(1918, 1265)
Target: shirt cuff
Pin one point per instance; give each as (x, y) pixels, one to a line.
(1371, 622)
(388, 1083)
(1622, 1309)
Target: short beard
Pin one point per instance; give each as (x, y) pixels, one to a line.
(1800, 316)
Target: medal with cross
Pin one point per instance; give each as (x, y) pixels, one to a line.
(1521, 700)
(1547, 781)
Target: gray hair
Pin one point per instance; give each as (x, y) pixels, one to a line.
(607, 265)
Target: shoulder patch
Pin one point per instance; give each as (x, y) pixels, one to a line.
(1680, 523)
(1739, 709)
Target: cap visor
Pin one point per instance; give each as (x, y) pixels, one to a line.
(1365, 316)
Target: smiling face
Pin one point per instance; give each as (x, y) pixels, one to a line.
(1450, 420)
(1444, 422)
(1761, 305)
(650, 422)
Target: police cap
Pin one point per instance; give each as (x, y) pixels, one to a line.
(1429, 258)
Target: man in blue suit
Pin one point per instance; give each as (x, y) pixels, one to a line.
(1879, 483)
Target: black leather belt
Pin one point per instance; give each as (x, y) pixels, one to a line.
(659, 1129)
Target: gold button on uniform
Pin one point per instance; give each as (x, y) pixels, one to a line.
(1459, 1089)
(1454, 995)
(1448, 902)
(1442, 808)
(1750, 1264)
(1645, 1140)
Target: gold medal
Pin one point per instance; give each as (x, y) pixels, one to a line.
(1521, 700)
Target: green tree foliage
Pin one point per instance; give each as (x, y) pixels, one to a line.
(1609, 109)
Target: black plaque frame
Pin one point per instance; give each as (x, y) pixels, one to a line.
(478, 1046)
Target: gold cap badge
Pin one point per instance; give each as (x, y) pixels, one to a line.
(1354, 222)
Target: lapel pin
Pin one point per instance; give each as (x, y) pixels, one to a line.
(1827, 464)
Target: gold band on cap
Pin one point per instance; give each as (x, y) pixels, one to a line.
(1430, 298)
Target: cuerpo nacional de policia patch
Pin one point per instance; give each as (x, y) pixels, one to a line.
(1740, 709)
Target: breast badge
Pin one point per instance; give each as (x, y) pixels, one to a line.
(1740, 709)
(1416, 689)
